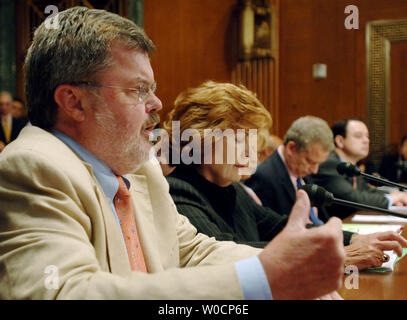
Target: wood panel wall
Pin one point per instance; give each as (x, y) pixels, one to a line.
(198, 41)
(192, 39)
(313, 31)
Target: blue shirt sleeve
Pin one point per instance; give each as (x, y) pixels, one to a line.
(390, 200)
(253, 279)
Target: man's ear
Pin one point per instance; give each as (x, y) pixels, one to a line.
(291, 146)
(339, 141)
(68, 98)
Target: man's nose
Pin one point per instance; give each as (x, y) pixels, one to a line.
(153, 104)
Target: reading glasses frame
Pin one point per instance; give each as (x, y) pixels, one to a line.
(142, 91)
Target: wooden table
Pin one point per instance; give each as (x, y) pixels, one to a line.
(379, 286)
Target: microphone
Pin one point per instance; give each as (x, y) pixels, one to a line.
(320, 197)
(351, 170)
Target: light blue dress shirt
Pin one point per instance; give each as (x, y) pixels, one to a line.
(250, 271)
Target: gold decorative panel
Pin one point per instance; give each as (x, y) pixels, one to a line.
(256, 67)
(379, 36)
(257, 76)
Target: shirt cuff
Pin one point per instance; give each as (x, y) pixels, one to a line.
(253, 279)
(390, 200)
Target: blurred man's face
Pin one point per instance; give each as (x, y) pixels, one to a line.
(17, 109)
(5, 104)
(305, 162)
(356, 143)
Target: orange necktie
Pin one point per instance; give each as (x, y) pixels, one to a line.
(125, 213)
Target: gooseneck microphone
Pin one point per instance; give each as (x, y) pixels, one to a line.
(320, 197)
(351, 170)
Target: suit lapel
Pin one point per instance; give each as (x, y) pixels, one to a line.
(2, 136)
(284, 177)
(14, 129)
(143, 212)
(116, 249)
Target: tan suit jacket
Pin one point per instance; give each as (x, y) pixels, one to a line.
(59, 237)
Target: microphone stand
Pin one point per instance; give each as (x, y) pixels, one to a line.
(367, 207)
(383, 181)
(319, 197)
(351, 170)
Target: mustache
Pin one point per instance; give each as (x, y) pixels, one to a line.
(153, 119)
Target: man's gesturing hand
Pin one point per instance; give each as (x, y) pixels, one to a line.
(304, 263)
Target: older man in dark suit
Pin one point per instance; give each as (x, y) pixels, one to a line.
(307, 144)
(279, 176)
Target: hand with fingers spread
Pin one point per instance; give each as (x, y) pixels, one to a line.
(367, 251)
(303, 263)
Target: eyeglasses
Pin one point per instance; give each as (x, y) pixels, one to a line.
(142, 92)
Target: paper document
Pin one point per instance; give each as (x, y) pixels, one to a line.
(370, 228)
(377, 218)
(401, 209)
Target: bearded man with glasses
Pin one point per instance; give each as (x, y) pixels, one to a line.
(80, 198)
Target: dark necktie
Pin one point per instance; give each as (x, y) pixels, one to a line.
(312, 215)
